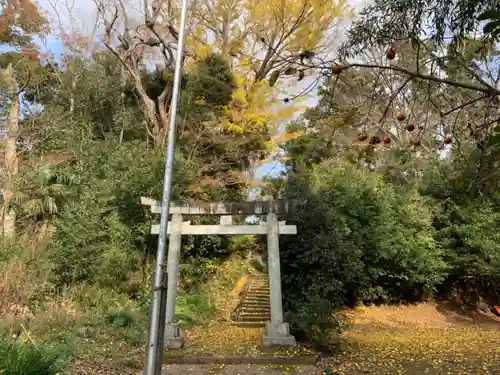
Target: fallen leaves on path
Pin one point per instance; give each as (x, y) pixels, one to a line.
(419, 339)
(220, 338)
(413, 340)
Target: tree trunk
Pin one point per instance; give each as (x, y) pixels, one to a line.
(10, 157)
(156, 129)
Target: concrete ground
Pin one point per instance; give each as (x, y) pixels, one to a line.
(239, 370)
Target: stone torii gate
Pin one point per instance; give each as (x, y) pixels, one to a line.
(277, 331)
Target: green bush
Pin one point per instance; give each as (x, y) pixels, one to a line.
(470, 235)
(358, 240)
(104, 235)
(316, 321)
(120, 318)
(467, 222)
(259, 266)
(18, 358)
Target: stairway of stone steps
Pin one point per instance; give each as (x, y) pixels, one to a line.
(254, 309)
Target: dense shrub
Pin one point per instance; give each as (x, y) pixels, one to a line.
(102, 236)
(470, 235)
(467, 222)
(358, 241)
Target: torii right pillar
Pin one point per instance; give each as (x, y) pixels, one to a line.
(277, 332)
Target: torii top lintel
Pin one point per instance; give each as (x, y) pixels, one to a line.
(279, 207)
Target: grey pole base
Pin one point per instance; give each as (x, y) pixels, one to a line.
(278, 335)
(173, 338)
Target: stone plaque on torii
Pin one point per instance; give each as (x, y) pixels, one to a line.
(277, 331)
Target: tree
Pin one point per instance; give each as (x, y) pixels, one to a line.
(373, 118)
(451, 53)
(262, 40)
(263, 37)
(223, 156)
(20, 20)
(266, 42)
(361, 241)
(451, 89)
(441, 22)
(137, 45)
(463, 70)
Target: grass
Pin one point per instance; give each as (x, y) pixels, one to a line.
(100, 343)
(194, 308)
(103, 331)
(26, 358)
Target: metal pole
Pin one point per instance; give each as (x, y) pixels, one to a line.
(157, 325)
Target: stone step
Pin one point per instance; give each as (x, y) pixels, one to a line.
(244, 307)
(259, 318)
(260, 291)
(256, 299)
(249, 324)
(251, 309)
(255, 312)
(254, 306)
(257, 295)
(244, 314)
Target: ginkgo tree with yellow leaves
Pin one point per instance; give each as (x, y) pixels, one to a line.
(266, 43)
(267, 36)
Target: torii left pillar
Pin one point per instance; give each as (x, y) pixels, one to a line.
(173, 338)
